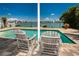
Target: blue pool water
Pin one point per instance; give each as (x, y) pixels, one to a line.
(30, 33)
(10, 34)
(64, 38)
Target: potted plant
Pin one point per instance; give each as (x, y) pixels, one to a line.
(66, 25)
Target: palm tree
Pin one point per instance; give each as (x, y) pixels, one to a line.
(70, 17)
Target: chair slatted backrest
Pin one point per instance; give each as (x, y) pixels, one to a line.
(51, 41)
(22, 40)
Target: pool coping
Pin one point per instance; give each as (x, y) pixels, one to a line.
(35, 28)
(72, 39)
(68, 37)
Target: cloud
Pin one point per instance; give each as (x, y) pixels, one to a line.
(12, 19)
(46, 18)
(52, 14)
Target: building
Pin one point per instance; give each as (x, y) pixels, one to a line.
(1, 23)
(11, 22)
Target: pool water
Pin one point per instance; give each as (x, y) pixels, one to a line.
(10, 34)
(64, 38)
(30, 33)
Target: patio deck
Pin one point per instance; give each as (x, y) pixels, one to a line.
(7, 47)
(69, 50)
(10, 48)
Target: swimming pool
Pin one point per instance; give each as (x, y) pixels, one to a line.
(30, 33)
(64, 38)
(10, 34)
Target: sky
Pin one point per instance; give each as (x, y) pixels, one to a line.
(52, 11)
(21, 11)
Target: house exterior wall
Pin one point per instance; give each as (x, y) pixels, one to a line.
(11, 24)
(1, 24)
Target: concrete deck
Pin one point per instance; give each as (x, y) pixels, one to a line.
(69, 50)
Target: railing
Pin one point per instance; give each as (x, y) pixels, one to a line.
(28, 24)
(48, 24)
(52, 25)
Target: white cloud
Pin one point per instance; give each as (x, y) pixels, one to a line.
(52, 14)
(47, 18)
(12, 19)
